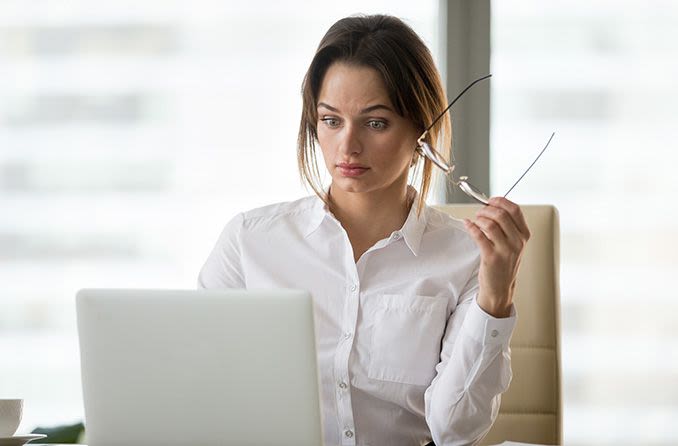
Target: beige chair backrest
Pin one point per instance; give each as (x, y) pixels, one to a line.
(531, 410)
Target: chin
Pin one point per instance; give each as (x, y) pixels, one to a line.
(352, 185)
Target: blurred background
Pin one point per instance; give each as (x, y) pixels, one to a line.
(130, 133)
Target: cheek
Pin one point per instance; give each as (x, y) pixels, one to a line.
(324, 146)
(396, 154)
(324, 139)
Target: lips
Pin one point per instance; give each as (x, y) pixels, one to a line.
(351, 170)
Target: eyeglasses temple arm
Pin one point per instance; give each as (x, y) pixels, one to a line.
(455, 100)
(533, 163)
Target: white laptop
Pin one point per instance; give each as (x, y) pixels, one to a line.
(191, 368)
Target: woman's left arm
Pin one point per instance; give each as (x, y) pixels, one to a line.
(463, 399)
(501, 233)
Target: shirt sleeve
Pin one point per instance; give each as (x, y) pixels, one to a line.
(223, 268)
(463, 399)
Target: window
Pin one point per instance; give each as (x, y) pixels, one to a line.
(128, 137)
(600, 75)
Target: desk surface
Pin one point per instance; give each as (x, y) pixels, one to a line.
(506, 443)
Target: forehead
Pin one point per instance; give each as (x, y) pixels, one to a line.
(351, 88)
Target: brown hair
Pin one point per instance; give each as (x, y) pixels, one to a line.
(389, 46)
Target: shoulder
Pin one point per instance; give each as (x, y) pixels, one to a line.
(437, 220)
(279, 215)
(442, 226)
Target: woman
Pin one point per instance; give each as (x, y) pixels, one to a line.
(413, 309)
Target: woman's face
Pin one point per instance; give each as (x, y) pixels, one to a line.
(367, 146)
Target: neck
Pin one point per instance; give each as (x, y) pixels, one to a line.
(370, 216)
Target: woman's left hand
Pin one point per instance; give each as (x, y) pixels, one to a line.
(501, 233)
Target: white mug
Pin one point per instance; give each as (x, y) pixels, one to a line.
(10, 416)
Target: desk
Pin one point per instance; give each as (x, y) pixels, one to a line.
(506, 443)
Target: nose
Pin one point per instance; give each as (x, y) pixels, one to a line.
(350, 142)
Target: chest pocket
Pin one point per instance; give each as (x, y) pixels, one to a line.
(405, 346)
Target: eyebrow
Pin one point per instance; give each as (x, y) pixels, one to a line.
(362, 112)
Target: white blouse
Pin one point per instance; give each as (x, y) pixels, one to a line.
(405, 354)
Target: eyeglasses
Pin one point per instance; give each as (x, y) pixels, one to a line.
(425, 149)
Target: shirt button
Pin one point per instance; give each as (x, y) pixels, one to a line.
(342, 385)
(494, 333)
(348, 335)
(354, 287)
(348, 433)
(396, 236)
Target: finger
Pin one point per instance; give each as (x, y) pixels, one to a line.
(494, 232)
(505, 221)
(511, 244)
(516, 213)
(485, 245)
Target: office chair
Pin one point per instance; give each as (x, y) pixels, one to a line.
(531, 410)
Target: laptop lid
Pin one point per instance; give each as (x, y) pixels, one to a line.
(200, 367)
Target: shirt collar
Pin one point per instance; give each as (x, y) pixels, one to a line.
(412, 230)
(414, 226)
(319, 211)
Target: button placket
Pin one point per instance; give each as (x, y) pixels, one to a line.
(343, 352)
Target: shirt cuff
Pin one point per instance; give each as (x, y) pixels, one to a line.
(486, 329)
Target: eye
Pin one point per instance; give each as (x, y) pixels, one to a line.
(377, 124)
(330, 122)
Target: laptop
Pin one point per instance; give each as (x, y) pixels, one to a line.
(200, 367)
